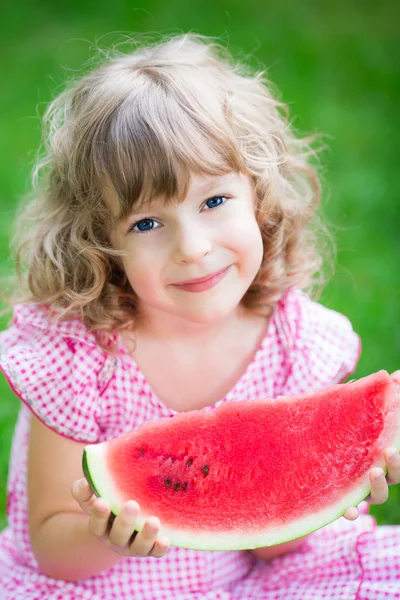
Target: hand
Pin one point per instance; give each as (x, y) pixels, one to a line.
(379, 483)
(118, 533)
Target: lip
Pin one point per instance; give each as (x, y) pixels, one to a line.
(203, 283)
(201, 279)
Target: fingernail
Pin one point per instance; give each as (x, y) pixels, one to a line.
(82, 484)
(153, 524)
(131, 508)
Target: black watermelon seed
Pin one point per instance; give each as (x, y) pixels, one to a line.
(168, 483)
(141, 451)
(190, 462)
(177, 486)
(185, 485)
(205, 470)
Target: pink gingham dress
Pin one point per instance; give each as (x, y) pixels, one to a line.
(61, 374)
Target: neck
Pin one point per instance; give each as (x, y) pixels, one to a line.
(175, 330)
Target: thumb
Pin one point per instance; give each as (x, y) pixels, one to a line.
(83, 494)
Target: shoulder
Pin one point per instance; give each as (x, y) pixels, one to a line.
(307, 319)
(54, 368)
(50, 345)
(322, 346)
(41, 319)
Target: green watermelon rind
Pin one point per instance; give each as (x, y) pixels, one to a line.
(86, 472)
(93, 467)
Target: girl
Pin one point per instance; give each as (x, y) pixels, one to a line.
(167, 246)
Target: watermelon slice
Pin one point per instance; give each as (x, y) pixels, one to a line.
(252, 473)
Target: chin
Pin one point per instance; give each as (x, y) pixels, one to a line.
(209, 315)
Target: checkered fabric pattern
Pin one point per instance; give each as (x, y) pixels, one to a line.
(67, 381)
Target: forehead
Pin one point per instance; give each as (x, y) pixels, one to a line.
(199, 185)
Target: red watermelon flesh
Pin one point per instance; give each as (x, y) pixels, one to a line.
(252, 473)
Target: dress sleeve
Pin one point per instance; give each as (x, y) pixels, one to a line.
(323, 349)
(55, 376)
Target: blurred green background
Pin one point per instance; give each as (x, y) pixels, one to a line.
(335, 65)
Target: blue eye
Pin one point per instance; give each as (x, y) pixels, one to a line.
(215, 201)
(146, 225)
(143, 225)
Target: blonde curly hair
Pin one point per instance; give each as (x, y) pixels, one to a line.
(145, 121)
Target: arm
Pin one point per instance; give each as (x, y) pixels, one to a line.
(65, 549)
(58, 528)
(69, 536)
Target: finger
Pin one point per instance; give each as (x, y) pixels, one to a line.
(351, 513)
(392, 458)
(160, 548)
(396, 376)
(124, 525)
(379, 487)
(99, 517)
(144, 542)
(83, 494)
(81, 490)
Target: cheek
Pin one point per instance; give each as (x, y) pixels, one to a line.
(246, 241)
(254, 250)
(141, 271)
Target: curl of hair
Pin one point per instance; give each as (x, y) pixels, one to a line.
(143, 122)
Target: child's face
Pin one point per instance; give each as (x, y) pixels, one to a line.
(214, 228)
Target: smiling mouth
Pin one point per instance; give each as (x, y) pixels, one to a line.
(201, 279)
(204, 283)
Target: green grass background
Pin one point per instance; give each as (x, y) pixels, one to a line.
(336, 66)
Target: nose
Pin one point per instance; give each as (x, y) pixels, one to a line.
(191, 243)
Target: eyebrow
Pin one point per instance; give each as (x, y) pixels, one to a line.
(202, 189)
